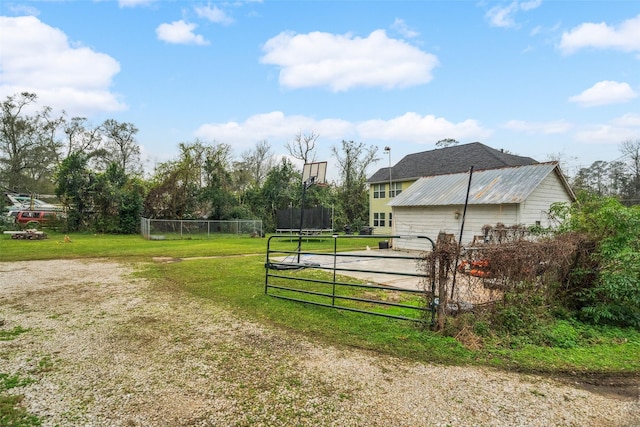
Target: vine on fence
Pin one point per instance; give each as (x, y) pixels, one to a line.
(483, 278)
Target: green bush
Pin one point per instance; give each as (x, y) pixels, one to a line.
(562, 334)
(610, 276)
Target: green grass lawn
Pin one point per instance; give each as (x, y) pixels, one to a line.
(237, 282)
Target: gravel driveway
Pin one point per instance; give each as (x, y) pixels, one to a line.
(105, 349)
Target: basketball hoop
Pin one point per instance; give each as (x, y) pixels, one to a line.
(314, 173)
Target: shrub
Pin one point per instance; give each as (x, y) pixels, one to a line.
(609, 276)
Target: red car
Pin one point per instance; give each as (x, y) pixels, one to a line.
(33, 219)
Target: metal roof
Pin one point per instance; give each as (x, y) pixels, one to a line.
(488, 187)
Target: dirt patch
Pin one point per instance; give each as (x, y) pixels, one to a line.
(106, 349)
(616, 386)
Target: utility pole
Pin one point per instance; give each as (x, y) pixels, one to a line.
(387, 150)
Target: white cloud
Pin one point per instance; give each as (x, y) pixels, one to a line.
(408, 128)
(552, 127)
(39, 58)
(271, 126)
(503, 16)
(628, 120)
(134, 3)
(625, 37)
(214, 14)
(412, 127)
(403, 29)
(613, 132)
(604, 93)
(342, 62)
(530, 5)
(180, 32)
(22, 9)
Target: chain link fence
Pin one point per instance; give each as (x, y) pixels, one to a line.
(175, 229)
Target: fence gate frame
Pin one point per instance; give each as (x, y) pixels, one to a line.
(335, 269)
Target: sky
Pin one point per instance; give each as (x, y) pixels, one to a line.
(539, 78)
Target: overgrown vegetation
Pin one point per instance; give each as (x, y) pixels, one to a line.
(606, 276)
(96, 172)
(559, 288)
(524, 332)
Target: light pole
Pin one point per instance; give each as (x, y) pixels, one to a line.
(387, 150)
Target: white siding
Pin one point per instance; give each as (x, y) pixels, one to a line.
(536, 207)
(429, 221)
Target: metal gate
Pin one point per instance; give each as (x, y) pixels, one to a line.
(350, 280)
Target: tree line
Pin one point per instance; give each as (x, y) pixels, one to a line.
(619, 178)
(97, 174)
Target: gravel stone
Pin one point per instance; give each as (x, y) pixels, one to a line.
(107, 349)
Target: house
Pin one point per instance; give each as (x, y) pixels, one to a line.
(516, 195)
(387, 183)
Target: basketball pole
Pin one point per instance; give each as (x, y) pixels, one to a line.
(314, 173)
(306, 184)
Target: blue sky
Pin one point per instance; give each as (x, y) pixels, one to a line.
(537, 78)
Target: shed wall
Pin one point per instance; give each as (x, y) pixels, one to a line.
(536, 207)
(431, 220)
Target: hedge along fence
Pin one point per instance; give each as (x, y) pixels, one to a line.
(175, 229)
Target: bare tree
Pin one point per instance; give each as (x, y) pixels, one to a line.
(630, 150)
(81, 136)
(353, 160)
(303, 147)
(257, 162)
(121, 145)
(447, 142)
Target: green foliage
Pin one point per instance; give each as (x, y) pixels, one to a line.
(109, 202)
(9, 335)
(612, 295)
(28, 147)
(11, 413)
(280, 190)
(74, 186)
(12, 381)
(562, 334)
(521, 315)
(352, 196)
(237, 283)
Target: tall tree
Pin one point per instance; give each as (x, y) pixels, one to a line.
(28, 144)
(81, 137)
(630, 150)
(303, 147)
(177, 185)
(121, 145)
(117, 201)
(353, 160)
(257, 162)
(218, 183)
(75, 188)
(280, 191)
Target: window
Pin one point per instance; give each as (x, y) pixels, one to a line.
(390, 221)
(378, 191)
(378, 219)
(396, 188)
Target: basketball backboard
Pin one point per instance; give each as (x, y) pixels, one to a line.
(314, 173)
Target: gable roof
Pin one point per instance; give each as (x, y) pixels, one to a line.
(448, 160)
(488, 187)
